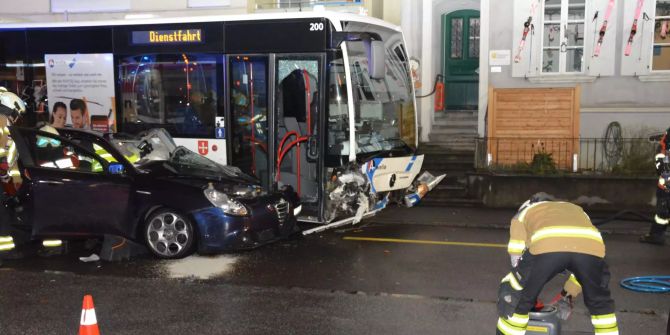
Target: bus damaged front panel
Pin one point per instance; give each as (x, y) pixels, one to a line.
(361, 190)
(399, 174)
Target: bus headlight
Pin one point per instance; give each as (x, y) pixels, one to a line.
(228, 205)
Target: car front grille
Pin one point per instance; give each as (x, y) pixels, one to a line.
(282, 208)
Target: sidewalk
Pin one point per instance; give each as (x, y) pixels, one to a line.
(471, 217)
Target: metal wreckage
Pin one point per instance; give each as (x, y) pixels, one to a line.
(361, 190)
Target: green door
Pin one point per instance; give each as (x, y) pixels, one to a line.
(460, 54)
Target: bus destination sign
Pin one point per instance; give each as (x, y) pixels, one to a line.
(167, 36)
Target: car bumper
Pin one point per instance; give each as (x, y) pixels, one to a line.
(219, 232)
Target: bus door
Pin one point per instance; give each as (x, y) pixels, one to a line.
(248, 101)
(298, 110)
(276, 107)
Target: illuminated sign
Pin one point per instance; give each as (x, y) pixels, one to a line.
(167, 36)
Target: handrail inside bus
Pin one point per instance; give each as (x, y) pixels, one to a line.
(283, 151)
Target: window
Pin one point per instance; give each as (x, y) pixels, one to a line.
(384, 107)
(660, 60)
(456, 38)
(563, 36)
(178, 92)
(249, 112)
(49, 151)
(473, 46)
(338, 115)
(76, 6)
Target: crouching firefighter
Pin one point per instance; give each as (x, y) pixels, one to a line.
(548, 238)
(656, 234)
(11, 109)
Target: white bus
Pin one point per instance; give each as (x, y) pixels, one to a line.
(321, 102)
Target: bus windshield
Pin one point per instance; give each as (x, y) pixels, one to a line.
(384, 108)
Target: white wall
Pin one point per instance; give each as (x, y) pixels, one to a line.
(634, 103)
(441, 7)
(392, 11)
(40, 10)
(430, 52)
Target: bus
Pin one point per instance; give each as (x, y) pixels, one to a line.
(321, 102)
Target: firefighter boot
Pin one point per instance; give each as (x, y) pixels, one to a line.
(52, 248)
(656, 235)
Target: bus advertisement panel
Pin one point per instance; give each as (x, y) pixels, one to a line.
(81, 91)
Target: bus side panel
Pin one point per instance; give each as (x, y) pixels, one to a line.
(284, 36)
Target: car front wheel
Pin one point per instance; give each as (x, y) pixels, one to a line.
(169, 234)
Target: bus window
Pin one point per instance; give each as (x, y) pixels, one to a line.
(298, 111)
(178, 92)
(249, 112)
(385, 115)
(338, 115)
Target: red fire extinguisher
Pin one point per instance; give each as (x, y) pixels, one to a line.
(439, 93)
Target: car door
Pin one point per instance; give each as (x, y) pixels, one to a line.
(70, 192)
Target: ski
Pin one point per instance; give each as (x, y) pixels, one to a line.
(527, 27)
(633, 29)
(603, 28)
(664, 29)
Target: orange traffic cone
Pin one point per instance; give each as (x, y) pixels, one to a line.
(89, 323)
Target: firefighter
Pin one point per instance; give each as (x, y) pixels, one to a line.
(656, 234)
(548, 238)
(11, 109)
(50, 247)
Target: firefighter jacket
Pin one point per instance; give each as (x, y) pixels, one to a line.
(662, 166)
(553, 226)
(10, 177)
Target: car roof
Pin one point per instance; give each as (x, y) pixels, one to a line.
(76, 131)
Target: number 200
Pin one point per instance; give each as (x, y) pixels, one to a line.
(316, 26)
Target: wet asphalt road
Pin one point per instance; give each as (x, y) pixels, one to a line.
(330, 283)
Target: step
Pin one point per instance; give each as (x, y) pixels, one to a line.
(456, 115)
(438, 148)
(455, 123)
(448, 165)
(466, 132)
(440, 202)
(452, 138)
(442, 163)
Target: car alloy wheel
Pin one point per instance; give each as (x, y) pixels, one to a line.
(169, 234)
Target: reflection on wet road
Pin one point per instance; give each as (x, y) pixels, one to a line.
(439, 266)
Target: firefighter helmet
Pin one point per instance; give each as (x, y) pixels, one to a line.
(537, 197)
(11, 105)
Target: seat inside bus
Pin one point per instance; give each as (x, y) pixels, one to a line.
(297, 104)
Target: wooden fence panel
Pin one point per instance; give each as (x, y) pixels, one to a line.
(524, 121)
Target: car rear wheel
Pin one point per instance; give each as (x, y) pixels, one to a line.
(169, 234)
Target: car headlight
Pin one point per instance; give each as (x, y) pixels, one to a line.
(223, 201)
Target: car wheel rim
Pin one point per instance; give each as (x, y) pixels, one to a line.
(168, 234)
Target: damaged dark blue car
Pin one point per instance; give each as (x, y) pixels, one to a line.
(80, 184)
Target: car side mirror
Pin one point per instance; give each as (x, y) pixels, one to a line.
(312, 149)
(116, 169)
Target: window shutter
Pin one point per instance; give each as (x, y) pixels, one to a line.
(638, 63)
(604, 64)
(527, 65)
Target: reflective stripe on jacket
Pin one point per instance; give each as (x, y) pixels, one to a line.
(554, 226)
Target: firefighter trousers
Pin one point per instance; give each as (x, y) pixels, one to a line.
(7, 242)
(534, 271)
(662, 217)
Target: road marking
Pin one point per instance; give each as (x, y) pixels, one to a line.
(397, 240)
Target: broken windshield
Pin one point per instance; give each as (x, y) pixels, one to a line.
(385, 115)
(158, 145)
